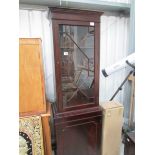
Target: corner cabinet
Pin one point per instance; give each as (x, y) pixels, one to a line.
(77, 114)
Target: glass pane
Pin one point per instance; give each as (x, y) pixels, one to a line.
(77, 60)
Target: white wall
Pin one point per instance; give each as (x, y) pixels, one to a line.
(34, 24)
(114, 47)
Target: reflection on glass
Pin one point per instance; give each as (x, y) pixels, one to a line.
(77, 60)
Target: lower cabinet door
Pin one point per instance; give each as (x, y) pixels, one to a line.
(79, 138)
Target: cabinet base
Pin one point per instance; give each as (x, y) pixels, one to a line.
(78, 132)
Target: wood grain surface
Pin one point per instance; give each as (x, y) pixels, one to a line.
(31, 79)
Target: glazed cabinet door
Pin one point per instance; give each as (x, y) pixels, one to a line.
(76, 58)
(80, 138)
(77, 64)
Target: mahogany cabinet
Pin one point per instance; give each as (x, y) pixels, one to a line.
(76, 113)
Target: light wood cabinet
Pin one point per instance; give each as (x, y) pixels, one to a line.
(112, 128)
(31, 79)
(31, 87)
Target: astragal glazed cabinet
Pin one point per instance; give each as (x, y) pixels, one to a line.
(77, 115)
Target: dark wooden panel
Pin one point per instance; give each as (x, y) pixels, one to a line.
(82, 141)
(80, 136)
(74, 14)
(75, 114)
(129, 148)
